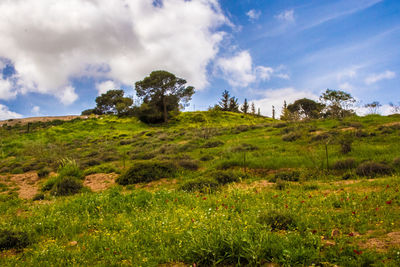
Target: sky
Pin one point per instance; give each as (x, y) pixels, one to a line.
(56, 57)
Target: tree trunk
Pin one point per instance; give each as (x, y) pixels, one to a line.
(165, 109)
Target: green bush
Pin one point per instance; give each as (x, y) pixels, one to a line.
(225, 177)
(66, 186)
(204, 185)
(48, 185)
(146, 172)
(372, 169)
(13, 239)
(345, 164)
(211, 144)
(206, 158)
(290, 137)
(70, 168)
(188, 164)
(100, 169)
(396, 162)
(38, 196)
(244, 147)
(43, 172)
(292, 176)
(277, 220)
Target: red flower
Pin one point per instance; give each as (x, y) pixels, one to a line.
(351, 234)
(389, 202)
(204, 198)
(166, 201)
(302, 201)
(286, 206)
(310, 196)
(387, 186)
(353, 212)
(314, 231)
(358, 252)
(192, 220)
(275, 196)
(376, 209)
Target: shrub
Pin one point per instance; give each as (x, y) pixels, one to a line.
(48, 185)
(396, 162)
(70, 168)
(66, 186)
(244, 147)
(345, 164)
(188, 164)
(224, 165)
(373, 169)
(38, 196)
(280, 125)
(100, 169)
(225, 177)
(292, 176)
(277, 220)
(211, 144)
(147, 172)
(204, 185)
(290, 137)
(206, 158)
(281, 185)
(43, 172)
(13, 239)
(345, 144)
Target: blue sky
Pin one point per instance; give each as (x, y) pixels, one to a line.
(59, 57)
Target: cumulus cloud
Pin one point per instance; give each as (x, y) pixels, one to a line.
(276, 97)
(374, 78)
(121, 40)
(287, 16)
(103, 87)
(253, 14)
(35, 110)
(6, 90)
(239, 70)
(6, 114)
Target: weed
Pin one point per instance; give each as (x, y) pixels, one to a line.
(290, 137)
(42, 173)
(188, 164)
(48, 185)
(244, 147)
(287, 176)
(211, 144)
(38, 196)
(70, 168)
(206, 158)
(225, 177)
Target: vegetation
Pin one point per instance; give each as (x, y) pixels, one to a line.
(208, 188)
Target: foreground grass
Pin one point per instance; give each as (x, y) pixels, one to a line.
(328, 223)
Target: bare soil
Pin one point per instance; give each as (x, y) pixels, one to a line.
(382, 244)
(100, 181)
(27, 183)
(24, 121)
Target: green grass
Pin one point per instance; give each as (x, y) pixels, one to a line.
(326, 220)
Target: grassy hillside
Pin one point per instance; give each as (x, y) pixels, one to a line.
(217, 188)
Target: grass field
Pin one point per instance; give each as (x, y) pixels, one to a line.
(209, 188)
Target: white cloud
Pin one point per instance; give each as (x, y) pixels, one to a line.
(105, 86)
(239, 70)
(346, 87)
(373, 78)
(6, 90)
(276, 97)
(35, 110)
(253, 14)
(67, 96)
(121, 40)
(287, 16)
(383, 110)
(6, 114)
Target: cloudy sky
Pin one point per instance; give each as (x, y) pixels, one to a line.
(56, 57)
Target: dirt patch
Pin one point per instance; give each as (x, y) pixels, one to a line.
(383, 243)
(348, 129)
(100, 181)
(24, 121)
(254, 185)
(392, 124)
(27, 184)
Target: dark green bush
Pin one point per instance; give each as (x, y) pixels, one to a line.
(292, 176)
(204, 185)
(211, 144)
(188, 164)
(146, 172)
(396, 162)
(48, 185)
(38, 196)
(345, 144)
(13, 239)
(227, 164)
(277, 220)
(70, 169)
(280, 125)
(43, 172)
(206, 158)
(244, 147)
(66, 186)
(372, 169)
(225, 177)
(100, 169)
(290, 137)
(345, 164)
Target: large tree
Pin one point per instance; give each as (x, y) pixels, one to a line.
(305, 109)
(337, 103)
(113, 102)
(224, 103)
(164, 91)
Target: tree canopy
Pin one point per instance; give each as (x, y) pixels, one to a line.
(305, 108)
(337, 103)
(162, 93)
(111, 102)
